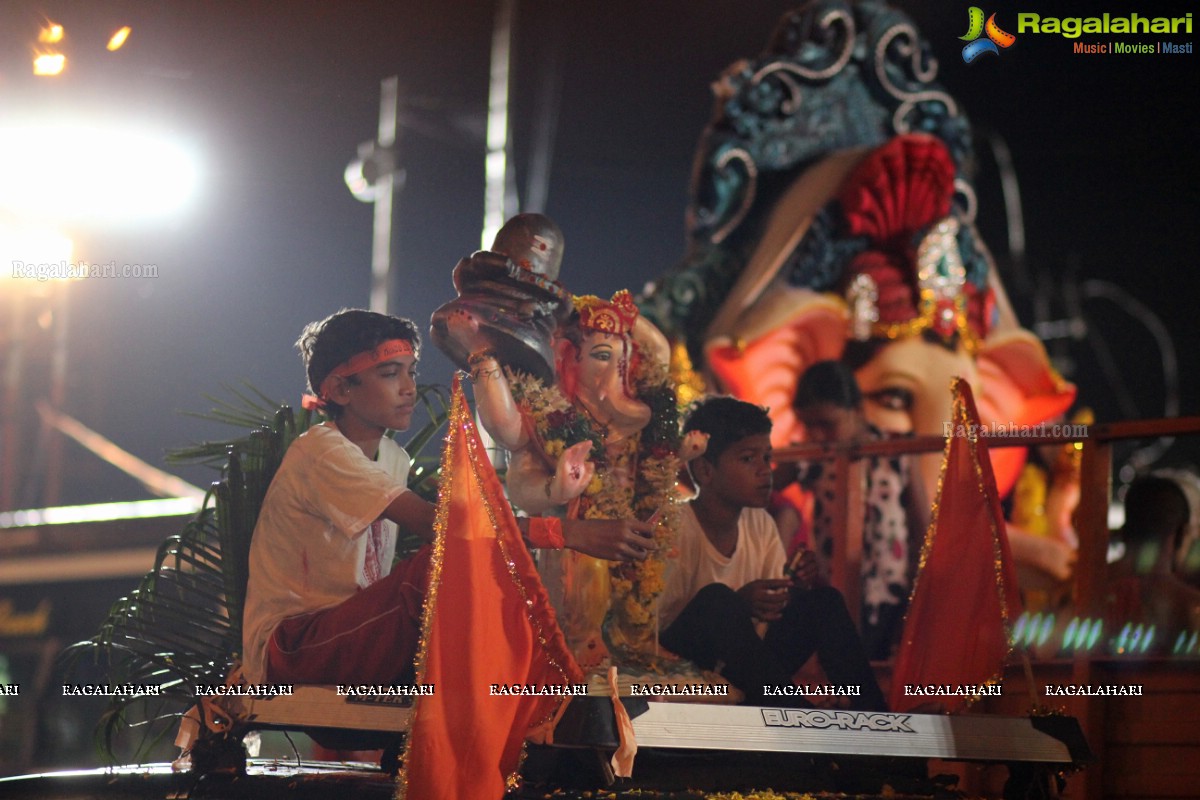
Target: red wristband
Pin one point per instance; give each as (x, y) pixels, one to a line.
(546, 533)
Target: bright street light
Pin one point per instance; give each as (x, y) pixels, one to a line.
(23, 243)
(47, 65)
(118, 39)
(83, 172)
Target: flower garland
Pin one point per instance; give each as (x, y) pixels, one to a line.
(557, 424)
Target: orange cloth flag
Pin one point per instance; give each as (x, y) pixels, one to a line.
(957, 630)
(487, 621)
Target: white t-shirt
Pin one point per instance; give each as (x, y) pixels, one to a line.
(758, 554)
(309, 550)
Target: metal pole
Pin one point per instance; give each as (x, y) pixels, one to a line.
(58, 396)
(381, 242)
(12, 391)
(499, 201)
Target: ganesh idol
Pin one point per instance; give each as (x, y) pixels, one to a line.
(833, 217)
(598, 439)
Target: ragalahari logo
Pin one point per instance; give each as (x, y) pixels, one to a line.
(996, 38)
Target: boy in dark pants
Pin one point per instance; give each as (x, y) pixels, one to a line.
(727, 599)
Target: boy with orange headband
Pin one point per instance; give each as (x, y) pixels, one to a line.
(324, 603)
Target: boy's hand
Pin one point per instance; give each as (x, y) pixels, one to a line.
(767, 597)
(803, 568)
(610, 539)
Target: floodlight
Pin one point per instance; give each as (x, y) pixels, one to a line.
(83, 172)
(46, 65)
(51, 33)
(118, 39)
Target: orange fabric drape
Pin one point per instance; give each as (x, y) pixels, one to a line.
(487, 621)
(958, 624)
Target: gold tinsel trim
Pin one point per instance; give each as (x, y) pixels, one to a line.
(459, 421)
(997, 552)
(445, 487)
(540, 633)
(964, 424)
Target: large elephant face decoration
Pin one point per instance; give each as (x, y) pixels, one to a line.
(908, 312)
(832, 216)
(906, 390)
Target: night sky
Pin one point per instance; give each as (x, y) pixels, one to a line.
(275, 97)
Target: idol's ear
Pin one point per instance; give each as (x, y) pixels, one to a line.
(566, 367)
(790, 218)
(770, 346)
(650, 341)
(766, 333)
(1017, 385)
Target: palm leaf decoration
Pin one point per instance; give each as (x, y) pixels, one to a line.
(181, 627)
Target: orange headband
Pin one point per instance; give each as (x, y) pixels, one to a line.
(392, 348)
(385, 351)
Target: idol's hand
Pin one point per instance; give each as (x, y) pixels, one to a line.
(572, 474)
(463, 327)
(694, 444)
(610, 539)
(1049, 555)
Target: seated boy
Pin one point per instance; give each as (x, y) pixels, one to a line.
(324, 604)
(730, 574)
